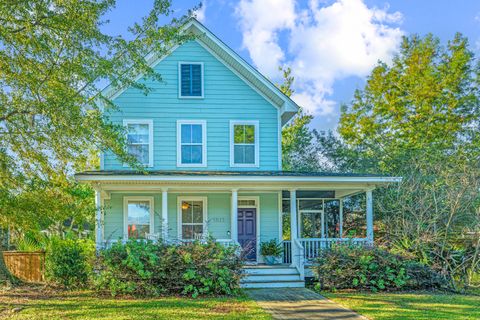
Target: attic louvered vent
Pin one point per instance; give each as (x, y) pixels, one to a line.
(191, 79)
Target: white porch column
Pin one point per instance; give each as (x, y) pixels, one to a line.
(165, 214)
(369, 217)
(293, 215)
(234, 216)
(293, 225)
(340, 220)
(98, 219)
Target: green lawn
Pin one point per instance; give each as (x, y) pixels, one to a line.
(422, 305)
(84, 305)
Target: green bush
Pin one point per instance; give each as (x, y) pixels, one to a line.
(350, 267)
(68, 262)
(149, 269)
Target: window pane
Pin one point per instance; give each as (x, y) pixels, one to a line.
(238, 133)
(138, 219)
(249, 154)
(186, 133)
(186, 154)
(187, 232)
(138, 231)
(198, 212)
(238, 154)
(140, 152)
(138, 133)
(197, 231)
(310, 205)
(196, 133)
(196, 154)
(249, 134)
(186, 211)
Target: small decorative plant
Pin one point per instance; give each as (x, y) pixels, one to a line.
(271, 250)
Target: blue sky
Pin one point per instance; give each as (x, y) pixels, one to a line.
(330, 45)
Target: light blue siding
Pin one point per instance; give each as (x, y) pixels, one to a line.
(218, 214)
(227, 97)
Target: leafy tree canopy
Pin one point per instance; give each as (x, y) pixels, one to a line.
(54, 56)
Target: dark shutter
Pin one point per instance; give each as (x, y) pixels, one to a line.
(191, 80)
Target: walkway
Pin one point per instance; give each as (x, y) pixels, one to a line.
(300, 303)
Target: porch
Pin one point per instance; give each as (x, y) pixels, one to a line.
(306, 213)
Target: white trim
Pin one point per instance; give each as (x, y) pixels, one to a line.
(179, 213)
(180, 80)
(203, 123)
(279, 142)
(256, 125)
(280, 216)
(257, 213)
(126, 199)
(148, 122)
(235, 178)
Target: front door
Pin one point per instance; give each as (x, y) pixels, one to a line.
(247, 232)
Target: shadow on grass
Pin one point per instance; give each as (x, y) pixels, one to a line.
(421, 305)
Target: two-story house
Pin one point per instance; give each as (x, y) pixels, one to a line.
(210, 138)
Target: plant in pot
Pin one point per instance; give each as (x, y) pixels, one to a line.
(271, 250)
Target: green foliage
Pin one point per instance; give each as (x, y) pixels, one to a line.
(299, 149)
(418, 118)
(271, 248)
(150, 269)
(353, 267)
(68, 262)
(54, 56)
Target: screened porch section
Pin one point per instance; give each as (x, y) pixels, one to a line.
(324, 220)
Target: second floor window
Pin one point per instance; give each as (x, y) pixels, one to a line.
(191, 143)
(140, 140)
(190, 79)
(244, 144)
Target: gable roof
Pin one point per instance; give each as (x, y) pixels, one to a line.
(287, 107)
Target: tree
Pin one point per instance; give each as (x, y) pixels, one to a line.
(418, 118)
(53, 59)
(299, 152)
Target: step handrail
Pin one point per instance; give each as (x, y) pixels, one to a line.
(298, 259)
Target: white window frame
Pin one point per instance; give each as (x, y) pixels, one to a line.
(255, 123)
(148, 122)
(203, 123)
(179, 215)
(180, 63)
(126, 200)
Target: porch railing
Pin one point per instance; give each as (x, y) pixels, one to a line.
(313, 246)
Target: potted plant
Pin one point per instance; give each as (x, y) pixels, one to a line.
(271, 250)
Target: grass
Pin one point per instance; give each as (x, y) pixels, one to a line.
(38, 304)
(415, 305)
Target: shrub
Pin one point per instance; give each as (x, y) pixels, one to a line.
(68, 262)
(271, 248)
(349, 267)
(149, 269)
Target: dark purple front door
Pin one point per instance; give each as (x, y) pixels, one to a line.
(247, 232)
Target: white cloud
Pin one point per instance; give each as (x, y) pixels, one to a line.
(260, 22)
(200, 13)
(325, 43)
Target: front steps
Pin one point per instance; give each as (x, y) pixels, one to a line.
(276, 276)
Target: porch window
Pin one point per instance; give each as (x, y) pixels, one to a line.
(244, 144)
(191, 143)
(192, 218)
(140, 140)
(190, 76)
(138, 217)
